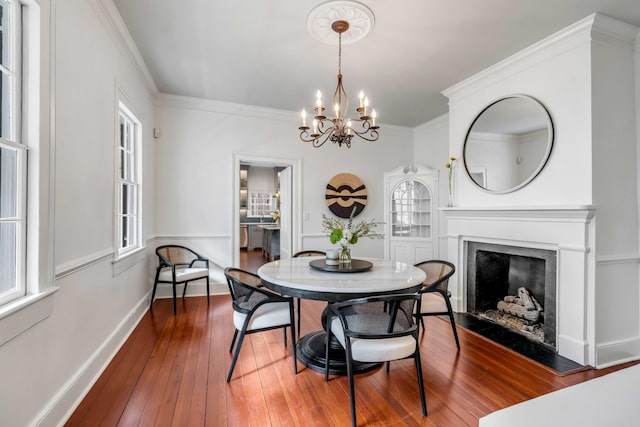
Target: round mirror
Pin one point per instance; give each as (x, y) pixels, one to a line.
(508, 144)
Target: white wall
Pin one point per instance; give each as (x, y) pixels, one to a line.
(47, 368)
(196, 152)
(583, 75)
(431, 148)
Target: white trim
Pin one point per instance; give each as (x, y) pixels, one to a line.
(597, 27)
(126, 108)
(22, 314)
(78, 264)
(296, 191)
(165, 100)
(109, 15)
(123, 263)
(66, 400)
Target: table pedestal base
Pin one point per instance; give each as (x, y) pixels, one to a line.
(311, 351)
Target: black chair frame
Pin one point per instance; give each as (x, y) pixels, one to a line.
(304, 254)
(391, 303)
(164, 262)
(446, 295)
(271, 297)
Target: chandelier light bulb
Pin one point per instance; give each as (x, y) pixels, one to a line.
(339, 129)
(304, 118)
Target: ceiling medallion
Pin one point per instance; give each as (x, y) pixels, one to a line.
(329, 22)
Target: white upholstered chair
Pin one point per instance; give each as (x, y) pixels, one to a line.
(176, 265)
(435, 293)
(376, 329)
(256, 309)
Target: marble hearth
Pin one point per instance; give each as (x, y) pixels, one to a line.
(568, 232)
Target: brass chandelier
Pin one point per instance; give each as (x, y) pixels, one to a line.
(339, 129)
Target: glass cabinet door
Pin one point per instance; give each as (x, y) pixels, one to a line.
(411, 210)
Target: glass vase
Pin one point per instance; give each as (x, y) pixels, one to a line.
(345, 255)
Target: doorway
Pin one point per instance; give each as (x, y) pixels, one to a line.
(290, 199)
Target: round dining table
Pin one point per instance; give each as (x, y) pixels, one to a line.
(295, 277)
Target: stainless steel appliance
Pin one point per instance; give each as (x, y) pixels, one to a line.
(244, 236)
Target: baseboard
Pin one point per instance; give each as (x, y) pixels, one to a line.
(614, 353)
(62, 405)
(573, 349)
(197, 288)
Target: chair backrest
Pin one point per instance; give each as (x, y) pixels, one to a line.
(308, 253)
(378, 317)
(438, 273)
(176, 255)
(244, 288)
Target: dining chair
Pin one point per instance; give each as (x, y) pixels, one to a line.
(305, 254)
(179, 264)
(256, 309)
(376, 329)
(435, 293)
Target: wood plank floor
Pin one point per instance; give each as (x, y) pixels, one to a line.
(172, 369)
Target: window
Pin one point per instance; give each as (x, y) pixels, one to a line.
(13, 159)
(260, 203)
(411, 210)
(128, 182)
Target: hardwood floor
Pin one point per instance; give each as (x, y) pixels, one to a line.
(172, 369)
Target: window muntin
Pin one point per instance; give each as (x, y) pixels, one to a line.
(13, 158)
(411, 210)
(128, 182)
(260, 203)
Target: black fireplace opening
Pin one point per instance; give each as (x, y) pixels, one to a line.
(514, 287)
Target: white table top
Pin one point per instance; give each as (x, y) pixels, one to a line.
(384, 276)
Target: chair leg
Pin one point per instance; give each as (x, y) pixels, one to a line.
(207, 289)
(298, 316)
(233, 341)
(423, 400)
(237, 352)
(293, 337)
(327, 359)
(155, 286)
(453, 322)
(184, 290)
(174, 298)
(352, 390)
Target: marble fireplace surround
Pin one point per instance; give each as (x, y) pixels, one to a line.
(567, 230)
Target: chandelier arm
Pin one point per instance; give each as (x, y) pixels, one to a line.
(339, 129)
(371, 135)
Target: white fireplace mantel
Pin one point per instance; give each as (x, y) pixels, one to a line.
(568, 230)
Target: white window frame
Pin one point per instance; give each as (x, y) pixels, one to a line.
(11, 139)
(132, 154)
(37, 142)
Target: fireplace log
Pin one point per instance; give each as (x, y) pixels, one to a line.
(519, 311)
(525, 297)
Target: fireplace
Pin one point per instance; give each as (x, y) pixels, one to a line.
(567, 232)
(515, 287)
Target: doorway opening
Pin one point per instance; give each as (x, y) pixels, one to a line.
(262, 186)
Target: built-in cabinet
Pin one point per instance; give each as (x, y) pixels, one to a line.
(255, 236)
(411, 216)
(244, 191)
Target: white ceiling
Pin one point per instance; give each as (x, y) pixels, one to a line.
(258, 52)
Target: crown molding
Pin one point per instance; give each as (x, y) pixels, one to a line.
(166, 100)
(440, 122)
(107, 11)
(594, 28)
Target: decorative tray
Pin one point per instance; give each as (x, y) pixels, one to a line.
(356, 266)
